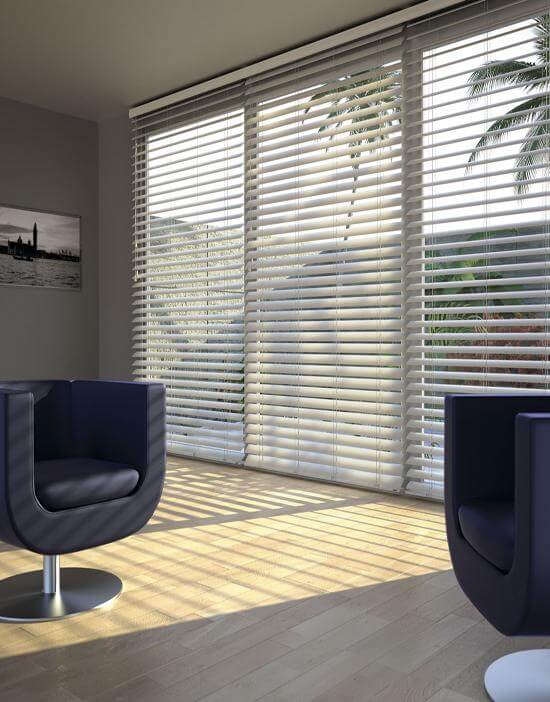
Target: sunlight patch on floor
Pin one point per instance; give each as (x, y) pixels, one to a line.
(228, 545)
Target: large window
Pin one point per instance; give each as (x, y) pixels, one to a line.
(324, 252)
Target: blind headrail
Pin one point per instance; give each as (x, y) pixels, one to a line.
(348, 35)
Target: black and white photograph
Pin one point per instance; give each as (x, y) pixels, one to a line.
(40, 249)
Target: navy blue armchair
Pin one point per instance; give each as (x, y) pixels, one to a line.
(497, 503)
(81, 465)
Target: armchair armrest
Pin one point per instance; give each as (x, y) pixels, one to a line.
(532, 510)
(16, 459)
(532, 489)
(120, 421)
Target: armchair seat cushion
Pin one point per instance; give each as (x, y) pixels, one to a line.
(76, 482)
(488, 526)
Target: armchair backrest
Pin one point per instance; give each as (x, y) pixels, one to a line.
(53, 435)
(112, 421)
(52, 415)
(480, 444)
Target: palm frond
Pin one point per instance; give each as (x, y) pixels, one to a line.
(534, 152)
(503, 73)
(518, 115)
(533, 77)
(542, 41)
(361, 86)
(346, 106)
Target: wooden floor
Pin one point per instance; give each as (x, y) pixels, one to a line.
(247, 586)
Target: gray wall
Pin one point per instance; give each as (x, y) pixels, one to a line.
(50, 161)
(115, 250)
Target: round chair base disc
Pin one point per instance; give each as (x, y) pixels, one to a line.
(81, 589)
(524, 676)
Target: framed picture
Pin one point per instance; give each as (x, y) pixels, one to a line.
(40, 249)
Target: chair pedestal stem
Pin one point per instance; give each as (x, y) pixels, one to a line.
(50, 579)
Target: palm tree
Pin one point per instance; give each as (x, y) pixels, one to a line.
(349, 108)
(533, 113)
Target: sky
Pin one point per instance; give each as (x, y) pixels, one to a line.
(54, 231)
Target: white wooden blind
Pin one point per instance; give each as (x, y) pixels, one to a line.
(325, 250)
(323, 266)
(188, 208)
(478, 265)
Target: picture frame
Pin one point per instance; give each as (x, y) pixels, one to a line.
(40, 248)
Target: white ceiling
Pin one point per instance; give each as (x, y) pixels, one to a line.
(95, 58)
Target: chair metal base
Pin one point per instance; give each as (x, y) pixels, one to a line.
(23, 599)
(520, 677)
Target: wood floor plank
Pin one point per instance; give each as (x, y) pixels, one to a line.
(228, 671)
(446, 695)
(309, 685)
(361, 686)
(457, 656)
(255, 685)
(409, 655)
